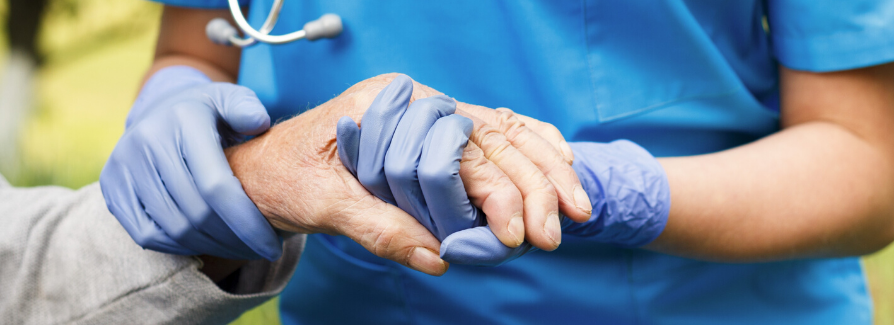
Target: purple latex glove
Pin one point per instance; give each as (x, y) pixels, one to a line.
(168, 181)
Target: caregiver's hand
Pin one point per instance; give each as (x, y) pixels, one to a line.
(168, 182)
(410, 157)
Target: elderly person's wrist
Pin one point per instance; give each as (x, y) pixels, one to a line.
(248, 165)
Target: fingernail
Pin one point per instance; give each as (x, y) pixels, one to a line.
(423, 260)
(566, 151)
(582, 200)
(553, 229)
(517, 228)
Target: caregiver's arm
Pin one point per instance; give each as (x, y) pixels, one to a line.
(823, 186)
(182, 41)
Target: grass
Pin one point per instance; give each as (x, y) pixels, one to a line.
(96, 57)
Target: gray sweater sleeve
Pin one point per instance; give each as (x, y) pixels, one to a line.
(65, 259)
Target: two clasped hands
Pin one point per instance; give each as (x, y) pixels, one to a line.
(421, 180)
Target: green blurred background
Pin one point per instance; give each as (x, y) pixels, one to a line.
(62, 111)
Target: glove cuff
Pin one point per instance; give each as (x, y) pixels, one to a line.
(162, 84)
(629, 191)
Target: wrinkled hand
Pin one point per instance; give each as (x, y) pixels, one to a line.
(508, 154)
(294, 176)
(388, 157)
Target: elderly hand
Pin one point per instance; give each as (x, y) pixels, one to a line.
(387, 151)
(531, 154)
(294, 176)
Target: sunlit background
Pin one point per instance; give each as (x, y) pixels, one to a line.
(63, 102)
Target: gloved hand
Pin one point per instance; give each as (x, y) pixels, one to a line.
(391, 160)
(631, 202)
(168, 182)
(410, 157)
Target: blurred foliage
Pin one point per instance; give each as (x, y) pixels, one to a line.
(880, 272)
(96, 53)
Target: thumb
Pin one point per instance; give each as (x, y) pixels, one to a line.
(240, 108)
(389, 232)
(347, 139)
(479, 246)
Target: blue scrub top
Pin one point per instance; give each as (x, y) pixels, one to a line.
(677, 77)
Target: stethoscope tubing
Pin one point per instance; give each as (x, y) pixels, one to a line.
(263, 34)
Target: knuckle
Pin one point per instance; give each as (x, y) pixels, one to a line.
(491, 141)
(187, 112)
(472, 154)
(400, 170)
(369, 180)
(217, 186)
(181, 231)
(142, 238)
(456, 122)
(498, 151)
(143, 134)
(510, 125)
(240, 91)
(386, 77)
(204, 217)
(383, 241)
(433, 174)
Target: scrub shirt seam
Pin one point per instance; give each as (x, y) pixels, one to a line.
(668, 103)
(590, 65)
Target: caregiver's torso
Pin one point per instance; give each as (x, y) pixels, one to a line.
(679, 78)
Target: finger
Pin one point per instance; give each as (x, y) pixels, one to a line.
(221, 190)
(541, 216)
(389, 232)
(376, 130)
(206, 224)
(123, 203)
(489, 188)
(548, 132)
(240, 108)
(573, 200)
(153, 193)
(443, 189)
(347, 138)
(479, 246)
(403, 157)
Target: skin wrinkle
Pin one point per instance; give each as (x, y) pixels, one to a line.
(488, 135)
(510, 126)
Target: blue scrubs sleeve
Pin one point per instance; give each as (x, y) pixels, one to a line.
(204, 4)
(831, 35)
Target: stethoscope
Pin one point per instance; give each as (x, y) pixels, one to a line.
(220, 31)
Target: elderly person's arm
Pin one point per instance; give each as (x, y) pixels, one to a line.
(65, 259)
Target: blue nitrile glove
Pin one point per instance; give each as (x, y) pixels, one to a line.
(168, 181)
(390, 155)
(630, 196)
